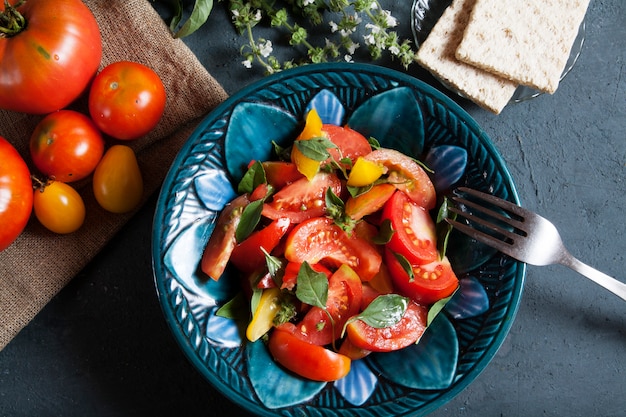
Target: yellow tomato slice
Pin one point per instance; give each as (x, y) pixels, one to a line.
(364, 173)
(263, 317)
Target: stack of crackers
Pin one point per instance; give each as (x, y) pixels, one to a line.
(485, 49)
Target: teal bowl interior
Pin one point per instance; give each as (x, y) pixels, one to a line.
(402, 113)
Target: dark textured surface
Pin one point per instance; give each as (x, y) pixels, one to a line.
(102, 348)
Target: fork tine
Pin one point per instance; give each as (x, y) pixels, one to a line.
(485, 238)
(485, 223)
(493, 214)
(506, 205)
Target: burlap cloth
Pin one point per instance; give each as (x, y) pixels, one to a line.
(39, 263)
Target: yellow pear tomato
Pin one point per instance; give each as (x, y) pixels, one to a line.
(263, 317)
(117, 181)
(59, 207)
(312, 129)
(364, 173)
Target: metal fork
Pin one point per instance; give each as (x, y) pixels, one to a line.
(521, 234)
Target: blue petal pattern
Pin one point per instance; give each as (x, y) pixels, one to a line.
(252, 128)
(214, 189)
(223, 331)
(470, 300)
(394, 118)
(358, 385)
(273, 385)
(448, 163)
(328, 107)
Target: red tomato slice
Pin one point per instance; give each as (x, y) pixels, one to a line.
(402, 334)
(247, 256)
(309, 361)
(344, 301)
(407, 175)
(350, 143)
(369, 202)
(279, 173)
(414, 234)
(222, 241)
(302, 199)
(290, 275)
(321, 240)
(430, 283)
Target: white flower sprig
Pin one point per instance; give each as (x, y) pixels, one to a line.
(351, 16)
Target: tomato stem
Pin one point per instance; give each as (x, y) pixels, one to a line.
(11, 20)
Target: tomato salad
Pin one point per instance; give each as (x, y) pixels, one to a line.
(337, 250)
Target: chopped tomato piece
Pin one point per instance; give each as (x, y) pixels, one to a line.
(350, 143)
(402, 334)
(222, 241)
(430, 283)
(414, 234)
(247, 256)
(369, 202)
(320, 240)
(344, 301)
(280, 173)
(309, 361)
(303, 199)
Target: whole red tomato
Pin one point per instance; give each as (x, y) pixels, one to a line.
(67, 145)
(126, 100)
(16, 194)
(48, 58)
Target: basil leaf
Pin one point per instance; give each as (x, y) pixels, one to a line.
(178, 14)
(315, 148)
(385, 232)
(443, 228)
(236, 308)
(406, 265)
(374, 143)
(274, 264)
(254, 176)
(312, 286)
(436, 309)
(199, 15)
(255, 299)
(385, 311)
(250, 218)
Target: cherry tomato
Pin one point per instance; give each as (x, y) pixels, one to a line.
(406, 175)
(321, 240)
(309, 361)
(117, 182)
(344, 301)
(222, 241)
(302, 199)
(48, 58)
(247, 256)
(126, 100)
(59, 207)
(402, 334)
(414, 234)
(66, 145)
(16, 194)
(430, 282)
(369, 202)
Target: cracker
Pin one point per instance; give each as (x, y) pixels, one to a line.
(527, 41)
(437, 54)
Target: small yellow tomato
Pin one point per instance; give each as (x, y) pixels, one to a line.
(263, 317)
(59, 207)
(364, 173)
(117, 180)
(312, 129)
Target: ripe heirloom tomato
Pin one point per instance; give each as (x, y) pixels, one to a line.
(414, 234)
(16, 194)
(429, 284)
(309, 361)
(402, 334)
(67, 145)
(59, 207)
(247, 256)
(48, 59)
(321, 240)
(126, 100)
(117, 182)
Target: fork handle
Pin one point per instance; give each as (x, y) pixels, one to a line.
(616, 287)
